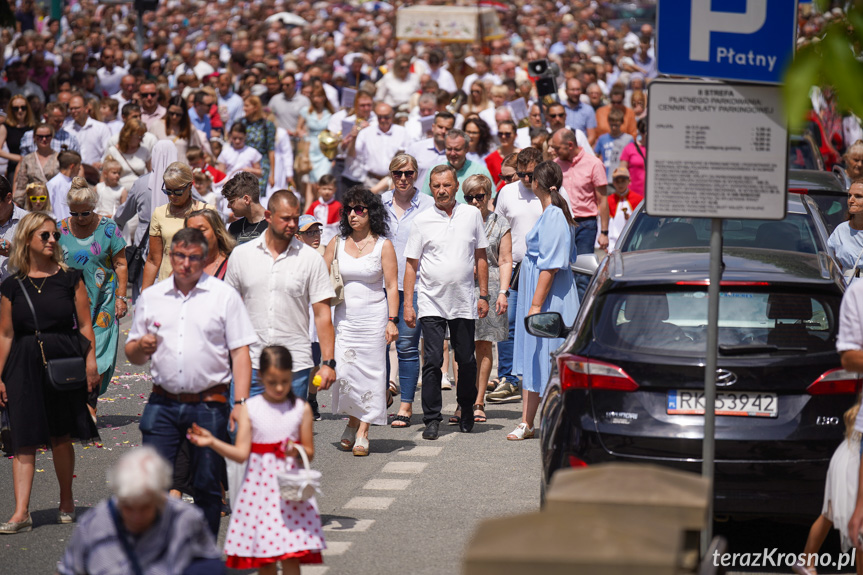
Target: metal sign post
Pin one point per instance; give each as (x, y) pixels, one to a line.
(708, 448)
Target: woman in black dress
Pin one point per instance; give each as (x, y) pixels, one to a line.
(39, 414)
(19, 120)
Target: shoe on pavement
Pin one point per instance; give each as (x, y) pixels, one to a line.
(521, 431)
(313, 403)
(431, 430)
(505, 393)
(12, 527)
(465, 424)
(64, 517)
(446, 382)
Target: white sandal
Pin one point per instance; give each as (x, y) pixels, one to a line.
(361, 446)
(349, 437)
(521, 431)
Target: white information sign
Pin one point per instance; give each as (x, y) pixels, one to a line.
(716, 150)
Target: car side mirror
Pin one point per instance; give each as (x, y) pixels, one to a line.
(585, 264)
(547, 325)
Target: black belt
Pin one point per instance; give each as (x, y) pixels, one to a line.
(585, 218)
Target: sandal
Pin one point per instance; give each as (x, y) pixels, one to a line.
(479, 418)
(404, 419)
(361, 447)
(349, 437)
(456, 418)
(522, 431)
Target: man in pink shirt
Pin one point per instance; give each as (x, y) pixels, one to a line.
(585, 182)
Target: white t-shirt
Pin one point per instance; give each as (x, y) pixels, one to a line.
(445, 246)
(520, 206)
(237, 160)
(109, 199)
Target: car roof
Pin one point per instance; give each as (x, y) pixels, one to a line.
(741, 264)
(815, 180)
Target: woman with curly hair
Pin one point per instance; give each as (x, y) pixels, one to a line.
(481, 144)
(367, 262)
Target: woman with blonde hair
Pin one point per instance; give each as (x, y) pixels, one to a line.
(168, 219)
(93, 244)
(220, 242)
(37, 199)
(38, 166)
(134, 159)
(477, 100)
(40, 414)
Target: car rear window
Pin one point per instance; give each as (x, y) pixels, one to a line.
(833, 206)
(794, 234)
(676, 322)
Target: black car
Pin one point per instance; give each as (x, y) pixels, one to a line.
(826, 189)
(627, 384)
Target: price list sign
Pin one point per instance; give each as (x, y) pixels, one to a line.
(716, 150)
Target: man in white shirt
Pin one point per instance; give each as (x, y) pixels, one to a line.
(59, 185)
(109, 74)
(278, 276)
(375, 147)
(349, 170)
(197, 332)
(128, 88)
(445, 245)
(93, 136)
(432, 151)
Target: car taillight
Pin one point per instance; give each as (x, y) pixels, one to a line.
(582, 373)
(835, 382)
(576, 462)
(798, 191)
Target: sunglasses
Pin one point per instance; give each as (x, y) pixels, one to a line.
(358, 210)
(621, 179)
(478, 197)
(505, 134)
(43, 136)
(45, 235)
(19, 108)
(176, 114)
(37, 199)
(557, 115)
(193, 259)
(80, 214)
(508, 178)
(397, 174)
(178, 193)
(524, 175)
(148, 94)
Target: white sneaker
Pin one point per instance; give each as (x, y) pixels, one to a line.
(446, 382)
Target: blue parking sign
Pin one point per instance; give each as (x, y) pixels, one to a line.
(743, 40)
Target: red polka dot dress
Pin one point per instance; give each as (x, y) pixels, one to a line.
(265, 528)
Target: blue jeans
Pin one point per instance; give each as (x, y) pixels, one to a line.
(299, 383)
(504, 348)
(408, 349)
(163, 426)
(585, 239)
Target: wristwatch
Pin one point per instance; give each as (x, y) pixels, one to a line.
(395, 320)
(484, 298)
(330, 363)
(123, 299)
(504, 292)
(604, 232)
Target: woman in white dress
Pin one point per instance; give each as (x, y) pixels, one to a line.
(366, 321)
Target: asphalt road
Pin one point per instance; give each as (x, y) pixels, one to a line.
(409, 507)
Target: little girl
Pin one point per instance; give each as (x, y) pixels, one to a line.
(265, 529)
(37, 198)
(840, 496)
(111, 193)
(238, 157)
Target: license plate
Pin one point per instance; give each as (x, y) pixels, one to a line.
(738, 403)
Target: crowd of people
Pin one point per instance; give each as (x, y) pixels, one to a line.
(277, 206)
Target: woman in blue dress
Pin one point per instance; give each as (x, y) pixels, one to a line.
(846, 241)
(545, 284)
(314, 120)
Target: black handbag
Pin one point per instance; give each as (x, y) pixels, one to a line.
(136, 257)
(65, 374)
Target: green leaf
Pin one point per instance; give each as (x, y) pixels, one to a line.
(799, 78)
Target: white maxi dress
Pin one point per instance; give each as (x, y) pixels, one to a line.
(360, 323)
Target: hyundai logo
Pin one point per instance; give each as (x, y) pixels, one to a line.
(725, 378)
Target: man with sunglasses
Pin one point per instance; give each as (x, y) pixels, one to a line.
(151, 109)
(197, 333)
(10, 215)
(375, 147)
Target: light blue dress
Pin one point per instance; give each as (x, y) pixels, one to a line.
(550, 246)
(320, 164)
(847, 246)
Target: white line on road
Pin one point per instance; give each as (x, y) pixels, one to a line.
(412, 467)
(337, 547)
(422, 451)
(387, 484)
(378, 503)
(347, 525)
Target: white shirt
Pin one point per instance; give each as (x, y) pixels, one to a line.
(445, 246)
(110, 80)
(148, 141)
(375, 149)
(277, 293)
(196, 335)
(93, 137)
(237, 160)
(7, 232)
(395, 92)
(520, 206)
(444, 79)
(58, 188)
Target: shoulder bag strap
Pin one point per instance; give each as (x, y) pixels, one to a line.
(35, 321)
(144, 239)
(121, 535)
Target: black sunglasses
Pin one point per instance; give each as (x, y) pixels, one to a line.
(19, 108)
(403, 173)
(81, 214)
(148, 94)
(505, 134)
(524, 175)
(176, 114)
(557, 115)
(478, 197)
(180, 192)
(358, 210)
(45, 235)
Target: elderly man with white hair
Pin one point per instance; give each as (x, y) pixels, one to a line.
(140, 529)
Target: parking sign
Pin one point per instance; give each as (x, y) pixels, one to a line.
(744, 40)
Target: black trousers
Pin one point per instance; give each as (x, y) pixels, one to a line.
(461, 334)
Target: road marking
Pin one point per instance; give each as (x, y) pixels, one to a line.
(315, 569)
(422, 451)
(387, 484)
(412, 467)
(349, 525)
(378, 503)
(337, 547)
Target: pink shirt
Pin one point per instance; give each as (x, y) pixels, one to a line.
(581, 177)
(635, 165)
